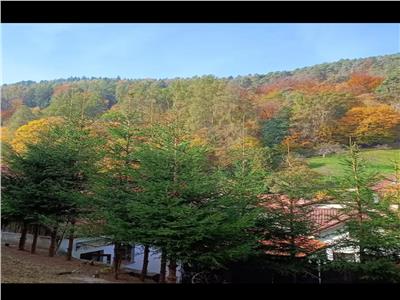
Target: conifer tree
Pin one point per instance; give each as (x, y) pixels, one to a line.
(373, 227)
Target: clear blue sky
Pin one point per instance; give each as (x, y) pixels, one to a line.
(49, 51)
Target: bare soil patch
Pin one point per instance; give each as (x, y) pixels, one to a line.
(23, 267)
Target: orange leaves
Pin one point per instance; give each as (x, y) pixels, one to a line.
(320, 195)
(360, 83)
(369, 125)
(295, 140)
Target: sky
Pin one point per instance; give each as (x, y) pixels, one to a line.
(50, 51)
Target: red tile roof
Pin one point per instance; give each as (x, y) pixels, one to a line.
(322, 217)
(306, 246)
(283, 201)
(327, 217)
(387, 186)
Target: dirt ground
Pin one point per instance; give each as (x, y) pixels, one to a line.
(24, 267)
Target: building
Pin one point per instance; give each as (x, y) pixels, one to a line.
(101, 250)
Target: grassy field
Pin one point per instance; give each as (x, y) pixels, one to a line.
(377, 160)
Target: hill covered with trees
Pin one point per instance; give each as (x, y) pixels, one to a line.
(312, 110)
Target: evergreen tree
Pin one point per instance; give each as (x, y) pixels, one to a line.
(373, 227)
(48, 181)
(194, 213)
(285, 225)
(115, 187)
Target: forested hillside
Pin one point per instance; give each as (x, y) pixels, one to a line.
(312, 110)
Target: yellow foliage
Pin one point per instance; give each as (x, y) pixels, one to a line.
(371, 124)
(32, 132)
(248, 142)
(199, 138)
(320, 195)
(5, 136)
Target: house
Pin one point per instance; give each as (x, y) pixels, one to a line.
(328, 223)
(102, 250)
(328, 220)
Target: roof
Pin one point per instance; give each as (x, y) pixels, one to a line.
(305, 245)
(388, 185)
(327, 217)
(322, 216)
(283, 201)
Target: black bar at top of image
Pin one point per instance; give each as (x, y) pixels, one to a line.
(198, 12)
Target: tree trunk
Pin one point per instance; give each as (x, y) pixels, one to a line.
(35, 237)
(60, 238)
(145, 263)
(22, 239)
(53, 242)
(117, 259)
(71, 241)
(4, 225)
(163, 267)
(172, 271)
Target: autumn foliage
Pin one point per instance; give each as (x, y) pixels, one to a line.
(305, 108)
(363, 83)
(32, 132)
(371, 125)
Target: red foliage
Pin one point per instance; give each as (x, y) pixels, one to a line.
(14, 105)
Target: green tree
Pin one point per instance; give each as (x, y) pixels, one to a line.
(276, 129)
(115, 187)
(286, 226)
(76, 103)
(373, 229)
(314, 116)
(189, 214)
(389, 90)
(22, 116)
(51, 176)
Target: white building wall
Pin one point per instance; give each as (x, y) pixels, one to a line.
(154, 261)
(135, 265)
(331, 237)
(76, 253)
(43, 242)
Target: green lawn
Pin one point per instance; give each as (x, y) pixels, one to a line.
(377, 160)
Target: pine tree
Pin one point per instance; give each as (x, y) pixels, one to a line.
(373, 228)
(194, 213)
(48, 181)
(115, 186)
